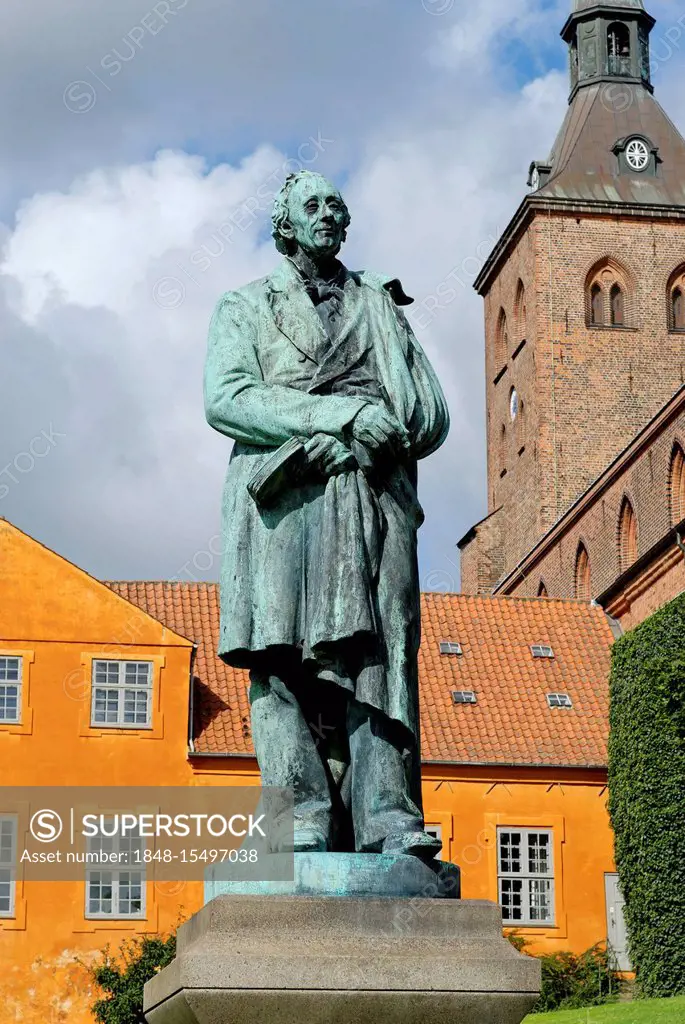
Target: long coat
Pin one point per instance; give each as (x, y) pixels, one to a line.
(331, 568)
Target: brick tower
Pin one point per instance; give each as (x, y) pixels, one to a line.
(584, 328)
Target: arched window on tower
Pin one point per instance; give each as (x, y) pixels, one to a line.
(608, 295)
(676, 486)
(501, 340)
(521, 313)
(676, 300)
(618, 44)
(520, 427)
(596, 304)
(583, 578)
(627, 536)
(574, 61)
(542, 589)
(502, 451)
(616, 303)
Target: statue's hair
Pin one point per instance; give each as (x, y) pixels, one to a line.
(280, 211)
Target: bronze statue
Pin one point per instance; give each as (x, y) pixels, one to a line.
(316, 375)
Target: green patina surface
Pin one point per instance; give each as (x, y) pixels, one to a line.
(345, 874)
(316, 375)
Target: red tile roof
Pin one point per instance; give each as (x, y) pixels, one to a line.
(511, 723)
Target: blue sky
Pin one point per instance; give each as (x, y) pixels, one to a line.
(118, 174)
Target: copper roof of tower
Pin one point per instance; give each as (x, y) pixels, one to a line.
(584, 166)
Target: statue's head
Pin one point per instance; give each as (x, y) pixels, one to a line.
(310, 214)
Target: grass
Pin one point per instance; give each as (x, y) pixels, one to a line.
(648, 1011)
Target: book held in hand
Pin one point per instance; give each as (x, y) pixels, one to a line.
(279, 471)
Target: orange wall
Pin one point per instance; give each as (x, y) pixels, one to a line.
(470, 803)
(57, 619)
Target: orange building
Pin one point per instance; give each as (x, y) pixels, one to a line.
(514, 713)
(58, 628)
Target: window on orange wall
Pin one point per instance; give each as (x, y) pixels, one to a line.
(435, 830)
(118, 893)
(10, 690)
(525, 876)
(8, 865)
(676, 486)
(122, 694)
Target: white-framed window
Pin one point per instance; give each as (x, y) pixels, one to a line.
(122, 694)
(559, 700)
(436, 832)
(10, 690)
(451, 647)
(8, 865)
(525, 861)
(117, 891)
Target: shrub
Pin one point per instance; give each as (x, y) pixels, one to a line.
(570, 981)
(123, 977)
(647, 795)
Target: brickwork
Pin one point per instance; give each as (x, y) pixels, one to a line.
(511, 443)
(511, 446)
(586, 391)
(660, 583)
(643, 475)
(482, 562)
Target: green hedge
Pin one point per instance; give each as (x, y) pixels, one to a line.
(647, 794)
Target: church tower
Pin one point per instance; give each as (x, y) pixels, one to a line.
(584, 293)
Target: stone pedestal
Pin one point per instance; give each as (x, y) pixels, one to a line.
(343, 960)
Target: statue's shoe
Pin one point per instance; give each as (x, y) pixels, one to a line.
(413, 844)
(305, 840)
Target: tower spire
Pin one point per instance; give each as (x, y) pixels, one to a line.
(608, 42)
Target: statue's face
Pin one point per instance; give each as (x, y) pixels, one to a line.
(316, 216)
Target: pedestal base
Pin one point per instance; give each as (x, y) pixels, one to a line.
(289, 959)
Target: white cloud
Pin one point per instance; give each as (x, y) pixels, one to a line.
(94, 245)
(115, 259)
(119, 273)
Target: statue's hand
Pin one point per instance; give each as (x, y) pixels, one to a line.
(328, 455)
(378, 429)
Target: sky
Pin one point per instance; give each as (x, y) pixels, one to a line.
(142, 145)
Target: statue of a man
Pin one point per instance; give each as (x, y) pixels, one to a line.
(316, 375)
